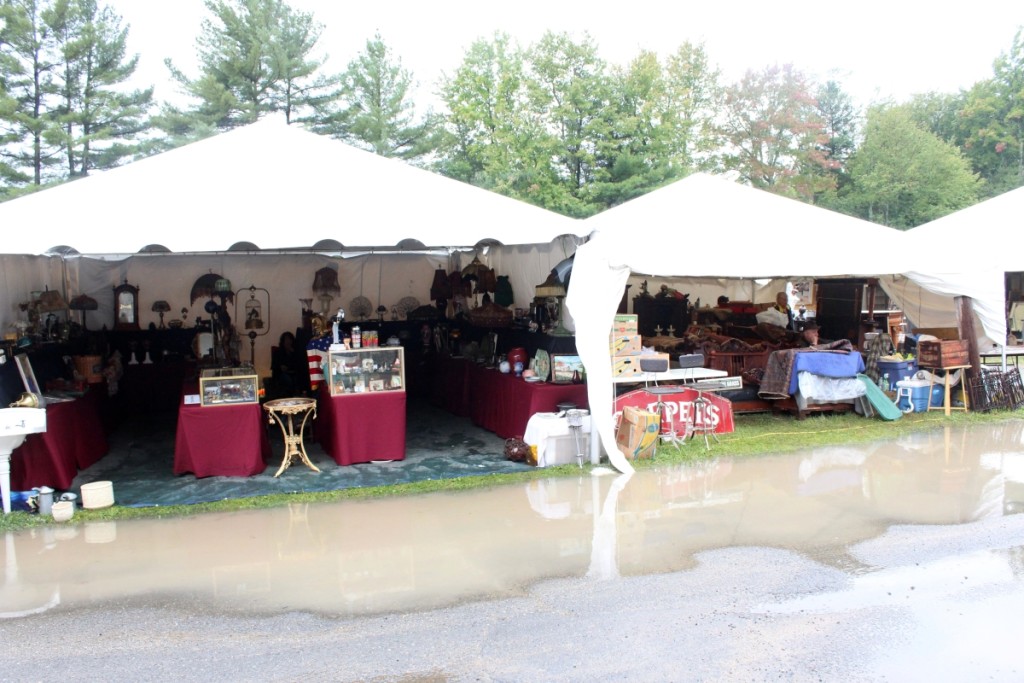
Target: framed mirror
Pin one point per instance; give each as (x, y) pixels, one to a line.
(126, 307)
(28, 378)
(202, 345)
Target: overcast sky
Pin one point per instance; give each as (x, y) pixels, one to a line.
(877, 50)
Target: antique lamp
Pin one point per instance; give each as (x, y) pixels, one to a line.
(552, 288)
(472, 274)
(326, 287)
(222, 288)
(50, 301)
(161, 307)
(441, 288)
(83, 303)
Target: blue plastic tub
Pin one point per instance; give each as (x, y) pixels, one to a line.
(897, 370)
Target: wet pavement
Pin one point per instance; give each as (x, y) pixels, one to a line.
(892, 561)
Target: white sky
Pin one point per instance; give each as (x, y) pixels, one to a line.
(877, 50)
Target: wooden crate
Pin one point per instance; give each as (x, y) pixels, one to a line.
(942, 354)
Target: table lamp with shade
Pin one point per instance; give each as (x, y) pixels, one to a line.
(552, 289)
(83, 303)
(326, 287)
(51, 301)
(161, 307)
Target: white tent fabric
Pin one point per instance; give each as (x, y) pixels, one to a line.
(993, 228)
(706, 227)
(995, 225)
(276, 186)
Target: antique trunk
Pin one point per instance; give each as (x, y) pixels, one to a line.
(942, 354)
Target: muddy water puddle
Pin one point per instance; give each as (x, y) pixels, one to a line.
(413, 553)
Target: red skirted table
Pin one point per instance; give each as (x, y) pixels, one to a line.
(357, 428)
(74, 439)
(220, 441)
(503, 403)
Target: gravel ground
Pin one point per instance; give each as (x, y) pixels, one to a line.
(938, 603)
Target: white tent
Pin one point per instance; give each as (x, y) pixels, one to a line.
(708, 227)
(996, 225)
(972, 244)
(274, 186)
(251, 204)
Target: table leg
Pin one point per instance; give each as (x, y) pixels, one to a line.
(949, 403)
(302, 445)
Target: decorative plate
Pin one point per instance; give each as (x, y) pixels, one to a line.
(542, 364)
(533, 380)
(360, 308)
(406, 305)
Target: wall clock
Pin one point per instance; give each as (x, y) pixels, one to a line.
(126, 307)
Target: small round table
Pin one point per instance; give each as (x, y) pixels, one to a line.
(290, 407)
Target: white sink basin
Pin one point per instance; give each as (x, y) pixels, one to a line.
(16, 423)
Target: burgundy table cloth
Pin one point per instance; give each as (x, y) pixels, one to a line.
(359, 428)
(220, 441)
(74, 439)
(503, 403)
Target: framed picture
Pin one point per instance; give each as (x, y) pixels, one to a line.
(566, 369)
(28, 378)
(376, 385)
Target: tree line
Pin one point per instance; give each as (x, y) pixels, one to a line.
(550, 123)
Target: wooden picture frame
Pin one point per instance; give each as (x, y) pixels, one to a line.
(566, 369)
(28, 378)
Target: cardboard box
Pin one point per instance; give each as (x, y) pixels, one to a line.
(625, 324)
(623, 366)
(942, 354)
(637, 436)
(626, 345)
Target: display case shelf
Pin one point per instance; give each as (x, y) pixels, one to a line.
(366, 371)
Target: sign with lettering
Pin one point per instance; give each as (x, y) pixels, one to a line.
(679, 412)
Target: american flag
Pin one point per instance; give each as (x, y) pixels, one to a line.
(316, 352)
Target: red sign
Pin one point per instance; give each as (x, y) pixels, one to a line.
(679, 412)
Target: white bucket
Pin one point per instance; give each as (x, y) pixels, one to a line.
(63, 510)
(97, 494)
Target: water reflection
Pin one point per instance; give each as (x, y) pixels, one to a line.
(400, 554)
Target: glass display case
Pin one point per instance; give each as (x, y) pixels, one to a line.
(228, 387)
(366, 371)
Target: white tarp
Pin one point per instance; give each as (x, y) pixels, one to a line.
(707, 227)
(276, 186)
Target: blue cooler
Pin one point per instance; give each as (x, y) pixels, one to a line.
(898, 370)
(912, 395)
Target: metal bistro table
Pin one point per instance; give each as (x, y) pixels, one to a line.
(289, 408)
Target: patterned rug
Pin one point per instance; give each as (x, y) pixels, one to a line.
(438, 446)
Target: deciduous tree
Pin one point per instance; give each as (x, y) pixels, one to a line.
(774, 135)
(903, 175)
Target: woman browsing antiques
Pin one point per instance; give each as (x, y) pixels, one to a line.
(290, 368)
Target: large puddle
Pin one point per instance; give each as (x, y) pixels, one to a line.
(413, 553)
